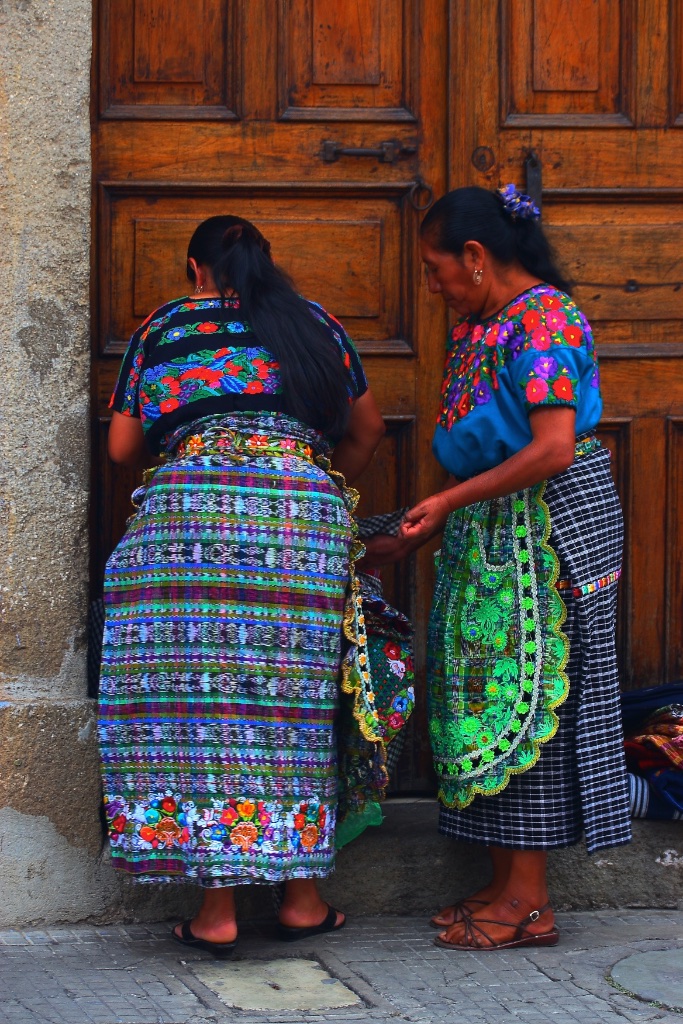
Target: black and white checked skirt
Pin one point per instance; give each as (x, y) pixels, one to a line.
(579, 784)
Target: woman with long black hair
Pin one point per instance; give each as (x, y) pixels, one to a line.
(230, 601)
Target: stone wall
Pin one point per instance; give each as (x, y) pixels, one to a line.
(50, 836)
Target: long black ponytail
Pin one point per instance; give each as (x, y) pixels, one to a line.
(314, 379)
(474, 214)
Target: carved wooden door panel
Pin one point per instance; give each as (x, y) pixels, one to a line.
(320, 121)
(590, 93)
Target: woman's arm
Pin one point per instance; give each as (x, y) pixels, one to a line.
(126, 443)
(364, 432)
(550, 451)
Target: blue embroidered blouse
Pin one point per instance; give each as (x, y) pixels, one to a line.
(537, 351)
(190, 359)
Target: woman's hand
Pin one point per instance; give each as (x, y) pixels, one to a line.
(426, 519)
(383, 549)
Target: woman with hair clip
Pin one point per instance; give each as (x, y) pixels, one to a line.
(523, 687)
(230, 601)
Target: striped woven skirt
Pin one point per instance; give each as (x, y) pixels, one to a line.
(220, 672)
(573, 782)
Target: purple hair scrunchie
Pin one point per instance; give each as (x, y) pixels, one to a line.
(518, 204)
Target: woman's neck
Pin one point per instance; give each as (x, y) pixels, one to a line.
(504, 287)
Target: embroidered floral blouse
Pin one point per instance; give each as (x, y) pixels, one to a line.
(191, 359)
(537, 351)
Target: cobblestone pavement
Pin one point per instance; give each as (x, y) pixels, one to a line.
(134, 975)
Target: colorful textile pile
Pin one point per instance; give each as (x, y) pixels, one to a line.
(654, 755)
(390, 652)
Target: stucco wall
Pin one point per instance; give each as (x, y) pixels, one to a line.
(48, 768)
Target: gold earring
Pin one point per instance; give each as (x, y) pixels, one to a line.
(477, 275)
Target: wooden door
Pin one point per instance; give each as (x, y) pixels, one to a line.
(590, 92)
(249, 107)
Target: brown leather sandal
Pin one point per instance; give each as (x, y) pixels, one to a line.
(461, 912)
(523, 937)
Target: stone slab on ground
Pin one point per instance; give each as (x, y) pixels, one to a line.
(137, 975)
(290, 983)
(655, 977)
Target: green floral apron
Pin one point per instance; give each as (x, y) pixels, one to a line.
(496, 650)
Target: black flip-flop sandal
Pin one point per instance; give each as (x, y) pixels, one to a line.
(287, 934)
(221, 950)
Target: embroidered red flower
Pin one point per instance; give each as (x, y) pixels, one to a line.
(171, 384)
(573, 335)
(202, 373)
(168, 804)
(299, 821)
(169, 404)
(228, 816)
(119, 823)
(232, 369)
(531, 319)
(254, 387)
(491, 338)
(207, 328)
(464, 405)
(536, 390)
(551, 302)
(392, 650)
(562, 388)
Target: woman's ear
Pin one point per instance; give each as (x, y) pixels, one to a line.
(193, 270)
(473, 254)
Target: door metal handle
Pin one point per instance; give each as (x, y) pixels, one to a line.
(387, 152)
(534, 178)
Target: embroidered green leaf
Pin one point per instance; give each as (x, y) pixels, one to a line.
(506, 669)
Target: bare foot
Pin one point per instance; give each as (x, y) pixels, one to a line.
(456, 912)
(498, 922)
(224, 931)
(307, 917)
(303, 907)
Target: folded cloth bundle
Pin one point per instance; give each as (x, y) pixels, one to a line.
(655, 757)
(390, 653)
